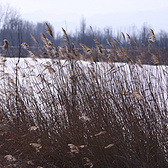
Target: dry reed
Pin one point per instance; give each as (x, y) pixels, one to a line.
(69, 113)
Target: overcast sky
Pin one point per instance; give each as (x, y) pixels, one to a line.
(119, 14)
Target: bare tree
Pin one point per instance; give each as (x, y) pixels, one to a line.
(83, 30)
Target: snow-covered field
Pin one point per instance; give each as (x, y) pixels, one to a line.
(31, 71)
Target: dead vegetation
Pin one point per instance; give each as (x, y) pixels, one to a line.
(71, 114)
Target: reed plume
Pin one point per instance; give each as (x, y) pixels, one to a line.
(34, 39)
(152, 36)
(5, 46)
(49, 31)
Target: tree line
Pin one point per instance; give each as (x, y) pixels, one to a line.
(17, 30)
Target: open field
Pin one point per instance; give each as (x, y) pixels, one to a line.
(70, 113)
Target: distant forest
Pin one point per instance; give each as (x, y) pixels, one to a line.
(17, 30)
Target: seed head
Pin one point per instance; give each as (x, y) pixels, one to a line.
(49, 31)
(5, 46)
(152, 37)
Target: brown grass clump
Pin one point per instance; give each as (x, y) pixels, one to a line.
(64, 112)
